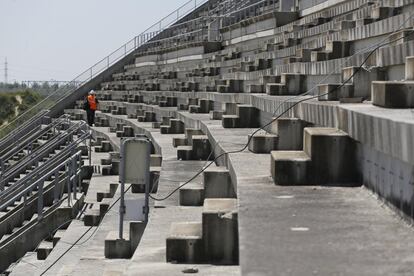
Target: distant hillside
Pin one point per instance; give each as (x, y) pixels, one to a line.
(12, 104)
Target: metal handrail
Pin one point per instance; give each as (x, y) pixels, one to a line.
(11, 136)
(28, 141)
(56, 142)
(28, 188)
(103, 64)
(50, 165)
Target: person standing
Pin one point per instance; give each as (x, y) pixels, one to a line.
(91, 105)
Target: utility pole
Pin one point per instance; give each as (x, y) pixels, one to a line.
(5, 71)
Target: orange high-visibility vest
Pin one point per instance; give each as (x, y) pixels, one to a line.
(92, 102)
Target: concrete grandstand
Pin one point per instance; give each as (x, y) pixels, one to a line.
(281, 144)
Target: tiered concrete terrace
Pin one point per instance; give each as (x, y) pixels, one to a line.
(294, 121)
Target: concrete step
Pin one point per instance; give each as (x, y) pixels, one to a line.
(107, 194)
(58, 236)
(393, 94)
(44, 249)
(220, 231)
(263, 142)
(328, 158)
(246, 116)
(217, 183)
(184, 243)
(335, 91)
(192, 195)
(153, 185)
(199, 150)
(92, 217)
(290, 84)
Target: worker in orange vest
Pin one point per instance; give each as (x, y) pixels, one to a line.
(91, 105)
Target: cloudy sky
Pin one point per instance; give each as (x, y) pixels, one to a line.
(58, 39)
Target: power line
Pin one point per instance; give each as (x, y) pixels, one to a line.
(5, 70)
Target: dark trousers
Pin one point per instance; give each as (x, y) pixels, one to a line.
(91, 117)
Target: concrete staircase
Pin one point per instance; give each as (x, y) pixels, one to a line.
(240, 116)
(283, 134)
(216, 184)
(214, 240)
(395, 94)
(290, 84)
(328, 158)
(357, 87)
(174, 126)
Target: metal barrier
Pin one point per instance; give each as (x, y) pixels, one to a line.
(27, 143)
(72, 176)
(21, 129)
(49, 164)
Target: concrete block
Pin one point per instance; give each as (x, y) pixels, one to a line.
(116, 248)
(92, 217)
(393, 94)
(216, 115)
(192, 195)
(290, 132)
(263, 142)
(333, 156)
(217, 183)
(335, 91)
(409, 68)
(184, 243)
(220, 231)
(44, 249)
(290, 167)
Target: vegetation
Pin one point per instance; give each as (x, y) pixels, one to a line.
(12, 104)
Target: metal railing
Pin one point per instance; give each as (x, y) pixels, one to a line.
(20, 130)
(69, 161)
(61, 139)
(251, 8)
(104, 64)
(28, 142)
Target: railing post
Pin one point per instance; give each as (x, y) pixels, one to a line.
(40, 201)
(107, 62)
(56, 191)
(125, 50)
(79, 171)
(91, 73)
(2, 168)
(68, 183)
(74, 172)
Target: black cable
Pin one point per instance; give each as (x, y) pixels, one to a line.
(83, 235)
(64, 253)
(276, 118)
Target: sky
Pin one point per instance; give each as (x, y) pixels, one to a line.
(58, 39)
